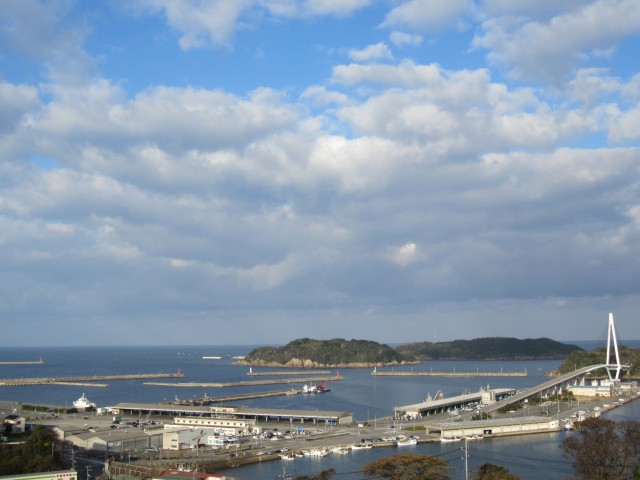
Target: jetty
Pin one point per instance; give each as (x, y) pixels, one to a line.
(251, 373)
(235, 398)
(28, 362)
(247, 383)
(450, 374)
(17, 382)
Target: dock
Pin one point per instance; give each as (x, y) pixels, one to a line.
(247, 383)
(17, 382)
(450, 374)
(251, 373)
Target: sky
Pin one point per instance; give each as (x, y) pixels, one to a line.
(254, 171)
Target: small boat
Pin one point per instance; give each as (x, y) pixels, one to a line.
(406, 442)
(287, 456)
(450, 439)
(474, 437)
(316, 452)
(212, 358)
(83, 402)
(361, 446)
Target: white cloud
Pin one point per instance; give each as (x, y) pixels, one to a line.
(401, 39)
(427, 15)
(379, 51)
(549, 49)
(42, 32)
(406, 254)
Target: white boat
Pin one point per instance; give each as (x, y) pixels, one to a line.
(475, 437)
(83, 402)
(287, 456)
(450, 439)
(211, 358)
(316, 452)
(406, 442)
(361, 446)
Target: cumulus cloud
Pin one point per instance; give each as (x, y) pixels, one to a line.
(427, 15)
(548, 49)
(41, 31)
(401, 39)
(379, 51)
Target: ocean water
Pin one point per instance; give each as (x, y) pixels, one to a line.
(367, 397)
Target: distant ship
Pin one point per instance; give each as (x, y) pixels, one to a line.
(212, 358)
(84, 403)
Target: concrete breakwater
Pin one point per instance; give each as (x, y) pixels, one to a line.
(449, 374)
(235, 398)
(15, 382)
(28, 362)
(251, 373)
(247, 383)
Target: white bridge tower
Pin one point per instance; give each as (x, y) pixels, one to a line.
(613, 369)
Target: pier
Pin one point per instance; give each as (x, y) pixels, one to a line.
(450, 374)
(17, 382)
(247, 383)
(251, 373)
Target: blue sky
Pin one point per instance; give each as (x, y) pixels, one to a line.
(254, 171)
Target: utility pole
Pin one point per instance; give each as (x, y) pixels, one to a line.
(466, 462)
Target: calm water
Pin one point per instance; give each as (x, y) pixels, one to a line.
(365, 396)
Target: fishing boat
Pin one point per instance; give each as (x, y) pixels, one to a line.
(407, 442)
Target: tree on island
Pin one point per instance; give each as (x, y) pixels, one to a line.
(408, 466)
(604, 449)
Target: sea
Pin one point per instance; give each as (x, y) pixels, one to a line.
(367, 397)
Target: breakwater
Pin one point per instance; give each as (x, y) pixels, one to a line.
(235, 398)
(28, 362)
(247, 383)
(251, 373)
(449, 374)
(16, 382)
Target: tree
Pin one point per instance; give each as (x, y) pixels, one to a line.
(489, 471)
(604, 449)
(323, 475)
(408, 466)
(37, 454)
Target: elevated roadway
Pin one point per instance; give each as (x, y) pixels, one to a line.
(553, 386)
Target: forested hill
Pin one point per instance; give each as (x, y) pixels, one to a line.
(489, 348)
(579, 359)
(338, 352)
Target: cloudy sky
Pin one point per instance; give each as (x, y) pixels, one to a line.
(254, 171)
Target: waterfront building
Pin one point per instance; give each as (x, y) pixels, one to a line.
(224, 426)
